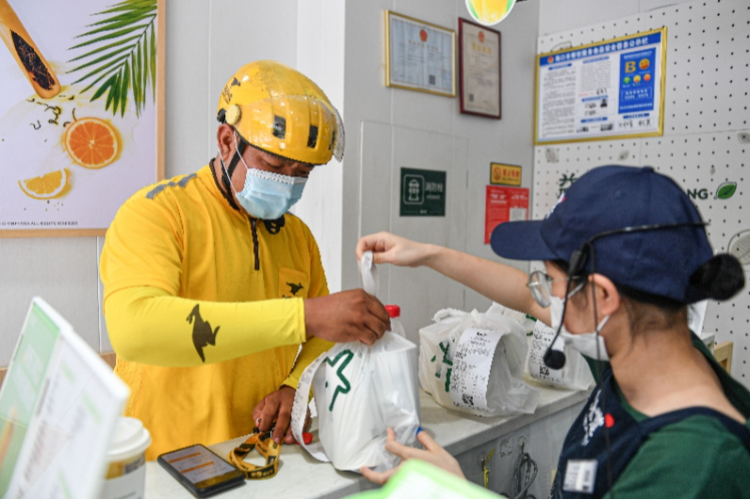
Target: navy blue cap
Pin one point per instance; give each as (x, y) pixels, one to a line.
(658, 262)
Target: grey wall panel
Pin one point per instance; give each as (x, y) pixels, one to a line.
(239, 33)
(421, 292)
(375, 190)
(370, 102)
(60, 270)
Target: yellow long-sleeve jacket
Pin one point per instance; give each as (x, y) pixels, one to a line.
(204, 308)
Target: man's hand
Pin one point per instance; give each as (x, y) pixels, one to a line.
(276, 408)
(433, 453)
(346, 317)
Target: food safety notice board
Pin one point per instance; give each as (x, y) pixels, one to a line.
(602, 90)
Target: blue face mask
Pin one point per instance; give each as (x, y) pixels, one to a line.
(267, 195)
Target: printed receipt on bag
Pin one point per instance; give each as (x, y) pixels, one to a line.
(471, 368)
(299, 409)
(543, 336)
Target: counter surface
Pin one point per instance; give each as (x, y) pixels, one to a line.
(301, 476)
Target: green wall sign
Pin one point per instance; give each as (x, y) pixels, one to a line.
(422, 192)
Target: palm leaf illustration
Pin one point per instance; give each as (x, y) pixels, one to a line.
(121, 55)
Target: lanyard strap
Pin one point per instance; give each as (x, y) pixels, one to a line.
(266, 447)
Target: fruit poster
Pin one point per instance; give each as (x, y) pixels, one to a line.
(80, 112)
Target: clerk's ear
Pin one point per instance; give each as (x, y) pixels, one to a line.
(607, 297)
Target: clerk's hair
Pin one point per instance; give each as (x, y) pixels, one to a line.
(719, 278)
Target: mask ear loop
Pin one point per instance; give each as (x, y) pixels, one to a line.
(226, 177)
(599, 367)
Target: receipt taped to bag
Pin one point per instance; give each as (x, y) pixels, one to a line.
(472, 363)
(543, 336)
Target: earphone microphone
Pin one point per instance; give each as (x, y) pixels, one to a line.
(555, 358)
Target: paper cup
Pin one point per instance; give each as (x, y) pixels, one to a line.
(126, 473)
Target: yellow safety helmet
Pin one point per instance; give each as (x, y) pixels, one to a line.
(279, 110)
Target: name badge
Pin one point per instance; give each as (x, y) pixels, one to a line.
(580, 476)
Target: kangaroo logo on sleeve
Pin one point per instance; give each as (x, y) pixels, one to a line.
(295, 287)
(344, 386)
(202, 333)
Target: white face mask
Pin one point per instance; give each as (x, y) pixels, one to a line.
(267, 195)
(585, 343)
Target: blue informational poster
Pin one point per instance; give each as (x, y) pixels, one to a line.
(609, 89)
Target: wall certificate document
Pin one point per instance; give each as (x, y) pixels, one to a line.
(419, 55)
(607, 90)
(479, 69)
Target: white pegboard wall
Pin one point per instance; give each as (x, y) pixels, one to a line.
(706, 108)
(700, 164)
(556, 165)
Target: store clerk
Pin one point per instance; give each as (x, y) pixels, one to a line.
(210, 287)
(625, 252)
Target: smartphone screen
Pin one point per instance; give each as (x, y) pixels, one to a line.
(201, 471)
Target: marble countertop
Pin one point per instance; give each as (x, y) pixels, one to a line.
(301, 476)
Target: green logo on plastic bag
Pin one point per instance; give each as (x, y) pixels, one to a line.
(344, 385)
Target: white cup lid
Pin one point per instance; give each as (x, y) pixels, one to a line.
(129, 440)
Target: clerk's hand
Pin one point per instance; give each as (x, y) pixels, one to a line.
(346, 317)
(433, 453)
(276, 409)
(388, 248)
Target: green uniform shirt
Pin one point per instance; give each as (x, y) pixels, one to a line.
(694, 458)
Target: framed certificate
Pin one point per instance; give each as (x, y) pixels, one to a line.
(419, 55)
(606, 90)
(479, 69)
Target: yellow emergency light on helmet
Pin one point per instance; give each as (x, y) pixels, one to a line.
(279, 110)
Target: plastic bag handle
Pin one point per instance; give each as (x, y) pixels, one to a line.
(446, 314)
(369, 272)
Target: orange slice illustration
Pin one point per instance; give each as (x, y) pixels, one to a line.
(92, 143)
(47, 186)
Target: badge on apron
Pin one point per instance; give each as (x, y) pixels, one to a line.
(580, 476)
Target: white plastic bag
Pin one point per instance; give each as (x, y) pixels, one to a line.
(360, 391)
(576, 373)
(474, 362)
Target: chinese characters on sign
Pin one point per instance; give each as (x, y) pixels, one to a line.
(503, 204)
(610, 89)
(422, 192)
(565, 182)
(505, 174)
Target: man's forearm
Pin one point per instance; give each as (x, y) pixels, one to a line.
(147, 325)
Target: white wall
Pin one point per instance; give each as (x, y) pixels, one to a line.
(566, 15)
(206, 42)
(320, 56)
(392, 128)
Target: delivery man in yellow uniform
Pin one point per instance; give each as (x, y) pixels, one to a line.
(211, 287)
